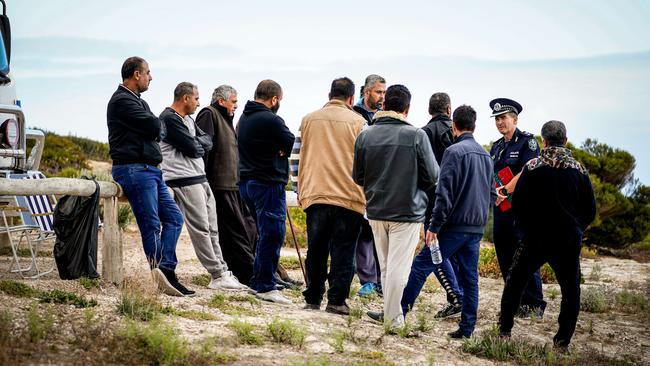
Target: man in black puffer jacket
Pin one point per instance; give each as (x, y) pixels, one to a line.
(553, 205)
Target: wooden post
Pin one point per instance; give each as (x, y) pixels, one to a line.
(112, 265)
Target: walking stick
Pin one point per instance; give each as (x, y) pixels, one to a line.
(295, 243)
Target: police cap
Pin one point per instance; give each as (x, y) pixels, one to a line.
(504, 105)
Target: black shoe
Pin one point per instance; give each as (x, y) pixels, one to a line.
(170, 275)
(527, 311)
(376, 315)
(286, 284)
(458, 334)
(504, 335)
(448, 310)
(338, 309)
(292, 282)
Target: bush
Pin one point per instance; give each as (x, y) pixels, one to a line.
(488, 265)
(592, 300)
(137, 303)
(17, 289)
(245, 333)
(124, 215)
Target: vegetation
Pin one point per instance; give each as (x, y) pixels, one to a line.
(17, 289)
(57, 296)
(245, 332)
(137, 303)
(286, 331)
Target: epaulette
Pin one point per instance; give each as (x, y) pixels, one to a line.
(527, 134)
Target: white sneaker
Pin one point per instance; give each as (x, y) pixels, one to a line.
(273, 296)
(226, 282)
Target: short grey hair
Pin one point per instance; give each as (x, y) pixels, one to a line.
(372, 79)
(223, 91)
(183, 89)
(554, 132)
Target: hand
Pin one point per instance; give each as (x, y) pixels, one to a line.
(510, 187)
(500, 196)
(430, 238)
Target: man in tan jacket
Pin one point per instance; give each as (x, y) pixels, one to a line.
(333, 202)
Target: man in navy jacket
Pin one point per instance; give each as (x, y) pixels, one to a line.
(463, 197)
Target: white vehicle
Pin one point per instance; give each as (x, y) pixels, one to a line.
(13, 131)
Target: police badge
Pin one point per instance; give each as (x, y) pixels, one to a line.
(532, 144)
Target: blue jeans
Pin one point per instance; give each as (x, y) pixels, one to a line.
(421, 269)
(158, 217)
(465, 246)
(268, 201)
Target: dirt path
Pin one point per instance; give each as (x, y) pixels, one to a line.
(613, 333)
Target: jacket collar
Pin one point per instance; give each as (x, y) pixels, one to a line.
(337, 103)
(440, 117)
(137, 95)
(464, 136)
(390, 114)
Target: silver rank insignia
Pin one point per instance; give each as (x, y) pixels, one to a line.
(532, 144)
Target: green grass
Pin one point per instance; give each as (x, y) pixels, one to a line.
(225, 304)
(61, 297)
(245, 332)
(488, 265)
(633, 302)
(17, 289)
(188, 314)
(89, 283)
(286, 331)
(289, 262)
(553, 293)
(138, 305)
(595, 273)
(40, 323)
(25, 253)
(202, 280)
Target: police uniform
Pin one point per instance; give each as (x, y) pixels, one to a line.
(514, 154)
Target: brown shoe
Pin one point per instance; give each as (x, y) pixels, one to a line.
(342, 309)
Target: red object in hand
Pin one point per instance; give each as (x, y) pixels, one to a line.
(504, 176)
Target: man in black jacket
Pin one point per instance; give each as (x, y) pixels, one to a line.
(394, 163)
(440, 136)
(553, 205)
(133, 136)
(264, 144)
(463, 197)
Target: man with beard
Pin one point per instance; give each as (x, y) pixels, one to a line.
(183, 170)
(264, 145)
(368, 270)
(133, 136)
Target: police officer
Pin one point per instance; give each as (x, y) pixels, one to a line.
(510, 153)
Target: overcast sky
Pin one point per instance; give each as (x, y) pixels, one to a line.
(586, 63)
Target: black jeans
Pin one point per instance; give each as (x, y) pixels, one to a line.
(507, 239)
(563, 255)
(331, 231)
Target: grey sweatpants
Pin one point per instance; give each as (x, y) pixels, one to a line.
(197, 204)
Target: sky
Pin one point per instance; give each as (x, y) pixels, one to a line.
(586, 63)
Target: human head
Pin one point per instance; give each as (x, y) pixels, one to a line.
(505, 112)
(439, 103)
(269, 93)
(554, 133)
(463, 120)
(398, 99)
(342, 89)
(506, 123)
(136, 74)
(225, 96)
(374, 90)
(186, 97)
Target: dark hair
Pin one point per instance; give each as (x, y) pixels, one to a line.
(131, 65)
(342, 88)
(554, 132)
(183, 89)
(465, 118)
(267, 89)
(397, 98)
(438, 103)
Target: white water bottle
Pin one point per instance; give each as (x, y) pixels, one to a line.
(436, 256)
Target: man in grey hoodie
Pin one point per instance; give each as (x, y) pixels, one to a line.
(183, 170)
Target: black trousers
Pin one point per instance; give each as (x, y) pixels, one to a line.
(331, 231)
(507, 239)
(563, 255)
(237, 234)
(366, 256)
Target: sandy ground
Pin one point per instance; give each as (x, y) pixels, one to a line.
(612, 333)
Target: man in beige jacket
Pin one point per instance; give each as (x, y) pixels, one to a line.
(333, 202)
